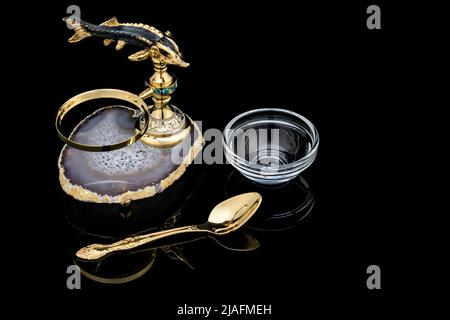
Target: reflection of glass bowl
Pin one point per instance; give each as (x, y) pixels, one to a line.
(270, 146)
(280, 210)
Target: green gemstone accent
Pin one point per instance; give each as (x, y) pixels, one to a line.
(166, 91)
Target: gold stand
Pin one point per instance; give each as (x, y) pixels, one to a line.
(167, 125)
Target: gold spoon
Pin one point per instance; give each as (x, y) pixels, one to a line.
(226, 217)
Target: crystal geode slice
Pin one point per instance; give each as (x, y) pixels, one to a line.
(134, 172)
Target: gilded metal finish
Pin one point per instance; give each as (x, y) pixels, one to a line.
(122, 279)
(156, 45)
(99, 94)
(162, 140)
(226, 217)
(166, 128)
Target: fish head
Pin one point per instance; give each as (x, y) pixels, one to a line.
(169, 52)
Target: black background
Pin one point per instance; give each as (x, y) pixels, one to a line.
(319, 60)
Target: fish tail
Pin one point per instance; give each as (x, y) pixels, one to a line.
(80, 31)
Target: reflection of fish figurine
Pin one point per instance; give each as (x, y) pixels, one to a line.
(153, 42)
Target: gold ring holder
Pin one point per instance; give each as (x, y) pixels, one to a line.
(141, 128)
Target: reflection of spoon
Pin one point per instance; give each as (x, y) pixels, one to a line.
(98, 272)
(239, 241)
(226, 217)
(118, 269)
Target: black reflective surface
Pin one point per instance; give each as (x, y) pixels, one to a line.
(315, 237)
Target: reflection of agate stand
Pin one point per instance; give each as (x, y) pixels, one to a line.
(112, 222)
(280, 210)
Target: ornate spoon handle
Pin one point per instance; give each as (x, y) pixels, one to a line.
(96, 251)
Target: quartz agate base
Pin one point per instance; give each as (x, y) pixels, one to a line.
(134, 172)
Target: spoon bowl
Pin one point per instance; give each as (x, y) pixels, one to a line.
(233, 213)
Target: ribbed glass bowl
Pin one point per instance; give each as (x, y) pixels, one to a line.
(270, 146)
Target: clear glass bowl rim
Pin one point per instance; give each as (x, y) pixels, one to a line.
(293, 165)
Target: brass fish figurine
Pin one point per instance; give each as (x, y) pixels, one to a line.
(154, 44)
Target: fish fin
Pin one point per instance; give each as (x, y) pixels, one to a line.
(120, 44)
(110, 23)
(169, 34)
(80, 34)
(140, 55)
(107, 42)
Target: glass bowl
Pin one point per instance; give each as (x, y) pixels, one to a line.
(270, 146)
